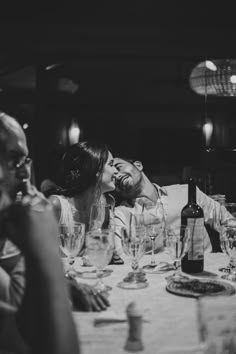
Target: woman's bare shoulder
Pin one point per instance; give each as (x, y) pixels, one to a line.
(55, 202)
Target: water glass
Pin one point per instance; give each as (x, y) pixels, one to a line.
(71, 242)
(217, 326)
(133, 242)
(100, 246)
(177, 242)
(228, 245)
(222, 221)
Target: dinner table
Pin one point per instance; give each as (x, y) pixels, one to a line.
(170, 322)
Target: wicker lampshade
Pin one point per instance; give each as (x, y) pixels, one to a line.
(215, 77)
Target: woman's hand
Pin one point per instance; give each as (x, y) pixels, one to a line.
(85, 298)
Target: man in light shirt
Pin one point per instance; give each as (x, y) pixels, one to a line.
(137, 192)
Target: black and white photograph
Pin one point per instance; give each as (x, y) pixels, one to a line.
(118, 177)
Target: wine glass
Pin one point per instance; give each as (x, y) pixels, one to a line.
(228, 245)
(155, 225)
(133, 243)
(71, 243)
(222, 221)
(100, 246)
(177, 243)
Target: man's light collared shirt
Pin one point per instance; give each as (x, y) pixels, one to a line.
(173, 198)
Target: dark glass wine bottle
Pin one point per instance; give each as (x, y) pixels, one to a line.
(193, 217)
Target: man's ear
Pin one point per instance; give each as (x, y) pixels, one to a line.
(139, 165)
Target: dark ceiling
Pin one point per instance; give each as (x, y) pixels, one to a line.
(133, 53)
(111, 34)
(127, 60)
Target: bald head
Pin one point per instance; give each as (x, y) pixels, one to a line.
(9, 127)
(13, 148)
(8, 121)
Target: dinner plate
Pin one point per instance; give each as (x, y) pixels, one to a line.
(200, 287)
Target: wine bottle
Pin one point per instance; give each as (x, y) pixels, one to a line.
(193, 217)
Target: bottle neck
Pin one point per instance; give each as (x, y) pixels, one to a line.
(191, 192)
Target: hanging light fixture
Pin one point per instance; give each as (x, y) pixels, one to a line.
(214, 77)
(74, 132)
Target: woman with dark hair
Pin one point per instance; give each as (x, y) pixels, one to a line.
(88, 174)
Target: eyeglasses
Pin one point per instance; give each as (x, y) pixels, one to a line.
(16, 164)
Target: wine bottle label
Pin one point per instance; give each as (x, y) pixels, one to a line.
(196, 248)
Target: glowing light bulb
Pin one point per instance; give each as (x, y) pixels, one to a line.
(208, 130)
(74, 133)
(233, 79)
(25, 126)
(210, 65)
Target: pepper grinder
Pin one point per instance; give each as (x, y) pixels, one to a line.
(134, 342)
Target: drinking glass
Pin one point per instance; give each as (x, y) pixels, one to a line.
(133, 243)
(155, 225)
(228, 245)
(71, 243)
(100, 246)
(216, 325)
(231, 208)
(101, 216)
(177, 242)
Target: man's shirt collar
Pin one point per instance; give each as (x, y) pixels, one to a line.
(161, 190)
(145, 201)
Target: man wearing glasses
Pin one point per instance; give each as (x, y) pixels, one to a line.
(15, 153)
(14, 156)
(43, 322)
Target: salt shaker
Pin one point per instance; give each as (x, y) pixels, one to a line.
(134, 342)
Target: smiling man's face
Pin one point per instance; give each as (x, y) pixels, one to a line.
(129, 177)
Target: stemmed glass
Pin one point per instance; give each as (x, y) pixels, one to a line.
(101, 216)
(177, 243)
(71, 243)
(228, 245)
(100, 246)
(222, 221)
(133, 243)
(155, 225)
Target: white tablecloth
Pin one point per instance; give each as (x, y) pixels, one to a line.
(172, 319)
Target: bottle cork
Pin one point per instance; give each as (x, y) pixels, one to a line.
(134, 342)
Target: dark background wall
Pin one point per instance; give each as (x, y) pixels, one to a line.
(121, 71)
